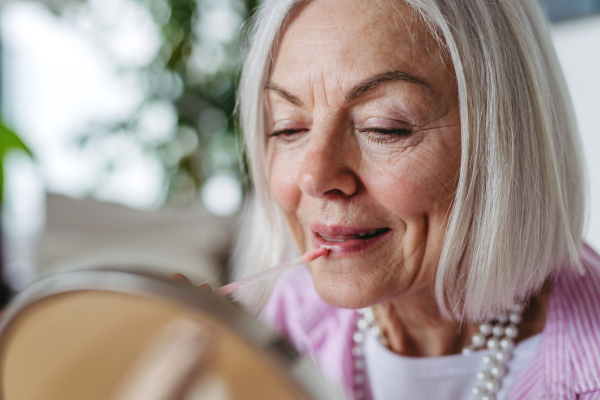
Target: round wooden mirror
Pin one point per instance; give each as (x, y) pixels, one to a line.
(105, 335)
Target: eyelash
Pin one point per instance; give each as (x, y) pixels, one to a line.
(389, 134)
(287, 135)
(286, 132)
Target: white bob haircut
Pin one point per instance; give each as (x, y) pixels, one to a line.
(519, 208)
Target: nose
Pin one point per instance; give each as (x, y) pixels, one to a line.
(327, 169)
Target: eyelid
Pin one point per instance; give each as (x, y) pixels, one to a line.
(383, 136)
(384, 123)
(283, 132)
(287, 124)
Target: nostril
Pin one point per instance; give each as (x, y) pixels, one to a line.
(333, 193)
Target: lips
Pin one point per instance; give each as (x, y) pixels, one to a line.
(347, 241)
(364, 235)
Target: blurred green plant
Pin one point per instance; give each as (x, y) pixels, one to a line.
(196, 76)
(9, 140)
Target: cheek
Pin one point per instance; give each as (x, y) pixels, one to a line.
(410, 185)
(404, 195)
(283, 181)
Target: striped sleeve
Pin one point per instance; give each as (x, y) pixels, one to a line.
(582, 302)
(595, 395)
(567, 362)
(530, 384)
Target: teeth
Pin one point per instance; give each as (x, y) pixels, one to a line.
(370, 233)
(343, 238)
(331, 239)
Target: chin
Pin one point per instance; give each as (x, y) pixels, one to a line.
(343, 291)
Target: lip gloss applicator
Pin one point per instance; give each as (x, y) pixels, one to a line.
(235, 286)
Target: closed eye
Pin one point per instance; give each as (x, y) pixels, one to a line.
(286, 132)
(383, 135)
(391, 132)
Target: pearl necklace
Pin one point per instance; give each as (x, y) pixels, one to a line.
(497, 336)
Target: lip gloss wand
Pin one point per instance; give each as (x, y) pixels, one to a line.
(235, 286)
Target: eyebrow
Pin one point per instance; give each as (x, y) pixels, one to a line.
(370, 83)
(295, 100)
(358, 90)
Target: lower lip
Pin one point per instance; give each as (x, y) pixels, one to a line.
(348, 248)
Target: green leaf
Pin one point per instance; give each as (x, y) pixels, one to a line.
(8, 140)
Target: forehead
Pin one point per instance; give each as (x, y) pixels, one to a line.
(349, 40)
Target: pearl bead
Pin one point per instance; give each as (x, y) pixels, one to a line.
(361, 310)
(362, 324)
(358, 337)
(486, 328)
(498, 331)
(488, 396)
(502, 356)
(369, 317)
(476, 391)
(482, 375)
(511, 331)
(492, 385)
(359, 365)
(488, 360)
(515, 318)
(503, 319)
(357, 351)
(492, 344)
(497, 371)
(376, 331)
(518, 308)
(466, 351)
(506, 344)
(478, 339)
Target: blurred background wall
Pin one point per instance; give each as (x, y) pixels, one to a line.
(126, 106)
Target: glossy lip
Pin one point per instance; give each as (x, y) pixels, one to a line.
(346, 248)
(340, 230)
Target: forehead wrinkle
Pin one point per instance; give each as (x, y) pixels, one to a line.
(325, 90)
(406, 23)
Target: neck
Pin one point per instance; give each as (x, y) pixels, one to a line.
(414, 326)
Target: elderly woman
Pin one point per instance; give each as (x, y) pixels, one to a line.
(430, 145)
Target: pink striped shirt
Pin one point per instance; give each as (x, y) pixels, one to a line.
(566, 364)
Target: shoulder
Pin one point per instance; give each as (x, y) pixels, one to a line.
(576, 296)
(574, 323)
(296, 311)
(566, 364)
(293, 295)
(590, 259)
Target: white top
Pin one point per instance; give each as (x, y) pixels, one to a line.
(396, 377)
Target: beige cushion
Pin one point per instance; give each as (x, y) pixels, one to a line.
(84, 234)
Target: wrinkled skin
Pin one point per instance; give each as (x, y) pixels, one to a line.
(331, 173)
(386, 157)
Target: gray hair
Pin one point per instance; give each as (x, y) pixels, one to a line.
(519, 208)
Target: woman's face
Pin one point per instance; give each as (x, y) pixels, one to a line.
(363, 146)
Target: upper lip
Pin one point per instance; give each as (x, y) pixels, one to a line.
(340, 230)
